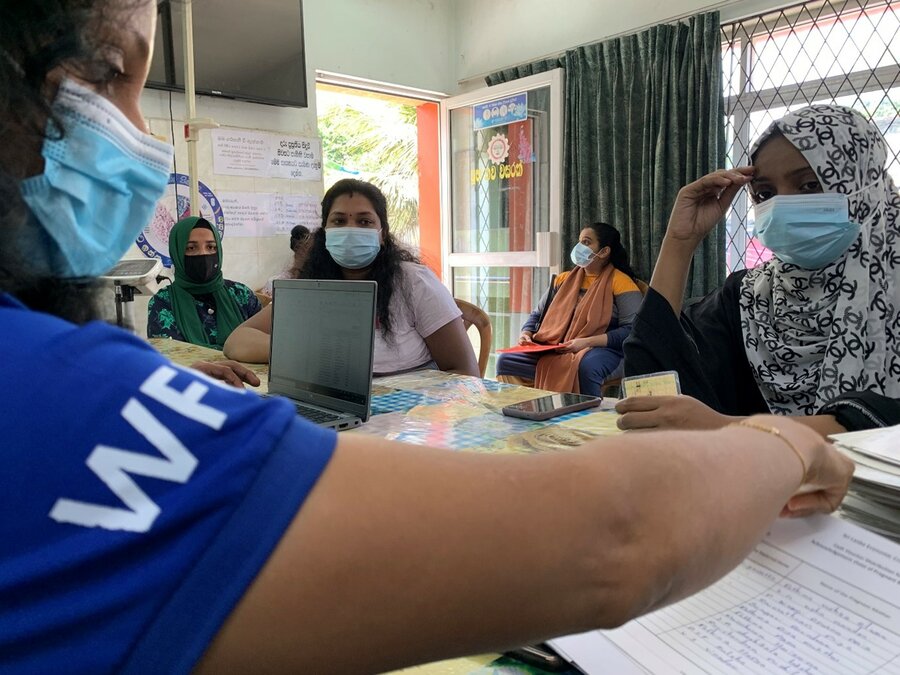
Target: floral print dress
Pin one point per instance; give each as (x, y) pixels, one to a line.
(161, 315)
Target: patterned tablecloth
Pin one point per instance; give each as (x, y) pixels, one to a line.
(442, 410)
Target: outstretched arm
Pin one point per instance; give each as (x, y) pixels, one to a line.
(249, 342)
(231, 372)
(686, 412)
(404, 554)
(451, 349)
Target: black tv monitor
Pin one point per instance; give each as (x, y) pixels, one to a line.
(250, 51)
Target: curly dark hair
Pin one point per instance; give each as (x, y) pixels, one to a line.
(37, 37)
(299, 234)
(385, 269)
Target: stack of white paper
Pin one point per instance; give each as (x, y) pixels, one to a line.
(874, 497)
(818, 595)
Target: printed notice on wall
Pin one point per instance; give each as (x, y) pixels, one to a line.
(259, 154)
(291, 210)
(254, 214)
(297, 158)
(247, 214)
(237, 152)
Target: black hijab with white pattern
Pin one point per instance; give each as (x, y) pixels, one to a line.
(811, 335)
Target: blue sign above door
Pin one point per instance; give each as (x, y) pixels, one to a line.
(502, 111)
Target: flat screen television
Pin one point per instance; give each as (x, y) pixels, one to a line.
(243, 49)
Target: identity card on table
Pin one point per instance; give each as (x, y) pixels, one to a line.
(664, 383)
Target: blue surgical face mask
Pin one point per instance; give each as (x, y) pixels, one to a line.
(100, 184)
(582, 255)
(809, 231)
(353, 247)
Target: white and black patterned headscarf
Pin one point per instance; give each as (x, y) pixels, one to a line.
(811, 335)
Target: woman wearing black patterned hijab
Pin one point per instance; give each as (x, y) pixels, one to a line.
(815, 331)
(813, 334)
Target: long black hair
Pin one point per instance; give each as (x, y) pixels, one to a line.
(299, 234)
(386, 267)
(35, 38)
(607, 235)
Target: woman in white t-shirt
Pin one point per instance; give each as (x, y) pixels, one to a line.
(418, 322)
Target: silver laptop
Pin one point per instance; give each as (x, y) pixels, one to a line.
(322, 346)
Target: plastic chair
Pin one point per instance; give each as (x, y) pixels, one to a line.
(472, 315)
(614, 384)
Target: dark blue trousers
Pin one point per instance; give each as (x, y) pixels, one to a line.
(595, 367)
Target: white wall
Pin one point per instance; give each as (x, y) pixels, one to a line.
(407, 42)
(494, 35)
(250, 260)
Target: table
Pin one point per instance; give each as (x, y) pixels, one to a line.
(443, 410)
(185, 354)
(456, 412)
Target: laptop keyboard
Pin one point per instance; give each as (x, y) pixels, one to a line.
(310, 413)
(314, 414)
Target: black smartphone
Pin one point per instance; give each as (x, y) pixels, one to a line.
(551, 406)
(540, 656)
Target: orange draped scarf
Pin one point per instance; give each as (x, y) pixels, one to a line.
(569, 318)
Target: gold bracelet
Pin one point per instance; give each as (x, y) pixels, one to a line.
(775, 431)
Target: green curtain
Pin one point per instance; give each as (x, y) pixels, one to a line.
(524, 70)
(644, 116)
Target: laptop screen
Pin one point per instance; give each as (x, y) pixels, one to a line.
(322, 341)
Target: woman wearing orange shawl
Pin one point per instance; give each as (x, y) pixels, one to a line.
(590, 312)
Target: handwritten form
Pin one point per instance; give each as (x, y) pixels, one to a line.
(817, 595)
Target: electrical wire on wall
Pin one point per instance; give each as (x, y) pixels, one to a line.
(174, 154)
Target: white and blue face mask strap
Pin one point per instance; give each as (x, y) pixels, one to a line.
(112, 123)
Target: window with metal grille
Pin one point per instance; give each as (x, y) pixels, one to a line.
(815, 52)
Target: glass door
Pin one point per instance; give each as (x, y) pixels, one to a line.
(502, 152)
